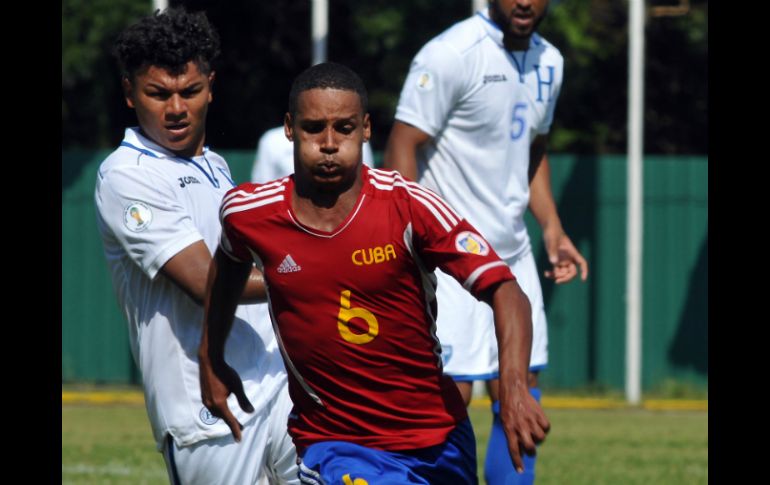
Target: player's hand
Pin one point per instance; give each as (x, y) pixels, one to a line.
(564, 258)
(217, 382)
(524, 422)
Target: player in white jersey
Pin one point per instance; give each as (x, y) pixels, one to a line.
(275, 156)
(158, 198)
(471, 124)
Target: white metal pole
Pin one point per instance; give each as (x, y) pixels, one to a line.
(635, 194)
(477, 5)
(159, 4)
(320, 24)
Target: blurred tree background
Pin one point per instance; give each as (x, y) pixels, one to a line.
(266, 44)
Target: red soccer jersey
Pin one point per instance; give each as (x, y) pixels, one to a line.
(355, 308)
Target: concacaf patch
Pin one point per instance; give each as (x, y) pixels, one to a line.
(206, 416)
(137, 217)
(425, 81)
(470, 242)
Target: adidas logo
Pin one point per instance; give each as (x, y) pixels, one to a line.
(288, 265)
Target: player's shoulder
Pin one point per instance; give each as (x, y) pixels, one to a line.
(546, 49)
(461, 38)
(122, 157)
(213, 157)
(126, 164)
(411, 197)
(255, 198)
(391, 184)
(386, 184)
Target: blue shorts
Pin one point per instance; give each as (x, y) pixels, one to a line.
(343, 463)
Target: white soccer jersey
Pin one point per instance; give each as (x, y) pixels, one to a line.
(152, 204)
(275, 156)
(483, 106)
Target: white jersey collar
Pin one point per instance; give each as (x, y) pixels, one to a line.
(134, 139)
(496, 34)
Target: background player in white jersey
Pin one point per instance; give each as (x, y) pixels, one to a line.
(275, 156)
(471, 125)
(157, 198)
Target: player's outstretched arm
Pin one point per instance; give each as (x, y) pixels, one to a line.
(524, 421)
(226, 280)
(564, 257)
(401, 149)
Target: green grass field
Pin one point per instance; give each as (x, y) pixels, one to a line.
(112, 444)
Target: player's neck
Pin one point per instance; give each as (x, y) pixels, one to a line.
(516, 43)
(322, 210)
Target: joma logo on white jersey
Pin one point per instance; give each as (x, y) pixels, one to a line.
(183, 181)
(495, 78)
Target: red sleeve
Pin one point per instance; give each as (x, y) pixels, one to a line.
(445, 240)
(230, 241)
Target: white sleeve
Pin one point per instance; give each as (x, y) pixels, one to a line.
(432, 88)
(275, 157)
(143, 212)
(367, 155)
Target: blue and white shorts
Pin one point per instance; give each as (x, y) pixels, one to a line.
(343, 463)
(265, 453)
(466, 326)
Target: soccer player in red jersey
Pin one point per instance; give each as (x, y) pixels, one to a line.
(348, 255)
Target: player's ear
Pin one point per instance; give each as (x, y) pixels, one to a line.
(127, 91)
(212, 77)
(367, 127)
(287, 128)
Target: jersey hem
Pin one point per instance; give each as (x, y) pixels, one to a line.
(413, 120)
(170, 251)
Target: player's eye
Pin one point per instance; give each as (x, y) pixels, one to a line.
(345, 127)
(191, 92)
(313, 127)
(162, 95)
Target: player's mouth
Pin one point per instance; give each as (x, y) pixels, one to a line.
(178, 130)
(522, 20)
(327, 170)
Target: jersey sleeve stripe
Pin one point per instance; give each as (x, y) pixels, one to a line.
(240, 199)
(468, 284)
(429, 205)
(442, 205)
(230, 209)
(267, 189)
(380, 186)
(397, 180)
(433, 211)
(420, 196)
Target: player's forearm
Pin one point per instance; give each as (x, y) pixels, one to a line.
(225, 283)
(401, 157)
(513, 328)
(541, 201)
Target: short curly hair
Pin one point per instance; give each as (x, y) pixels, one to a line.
(168, 39)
